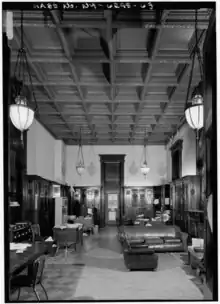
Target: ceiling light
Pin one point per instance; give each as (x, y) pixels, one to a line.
(80, 166)
(21, 114)
(144, 167)
(194, 108)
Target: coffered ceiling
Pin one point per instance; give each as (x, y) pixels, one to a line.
(119, 77)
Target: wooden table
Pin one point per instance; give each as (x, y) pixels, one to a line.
(19, 261)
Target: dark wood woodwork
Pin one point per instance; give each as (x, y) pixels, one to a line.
(187, 210)
(176, 154)
(112, 181)
(40, 208)
(210, 157)
(17, 173)
(136, 197)
(139, 200)
(87, 197)
(158, 196)
(6, 150)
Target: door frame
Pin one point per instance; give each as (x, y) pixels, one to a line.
(109, 158)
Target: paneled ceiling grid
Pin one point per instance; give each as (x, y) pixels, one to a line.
(113, 74)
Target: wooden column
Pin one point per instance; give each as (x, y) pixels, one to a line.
(6, 150)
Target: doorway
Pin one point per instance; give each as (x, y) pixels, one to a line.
(112, 190)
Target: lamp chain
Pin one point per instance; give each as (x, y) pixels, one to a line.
(33, 92)
(145, 144)
(197, 45)
(22, 35)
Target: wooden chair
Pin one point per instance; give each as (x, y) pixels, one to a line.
(32, 279)
(66, 238)
(36, 233)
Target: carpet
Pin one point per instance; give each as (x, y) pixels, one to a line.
(170, 284)
(97, 272)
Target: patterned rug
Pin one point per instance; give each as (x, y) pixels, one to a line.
(170, 284)
(97, 272)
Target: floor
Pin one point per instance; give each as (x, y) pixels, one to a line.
(97, 272)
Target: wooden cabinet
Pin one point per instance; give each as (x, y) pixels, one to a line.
(85, 198)
(150, 201)
(140, 200)
(192, 193)
(187, 210)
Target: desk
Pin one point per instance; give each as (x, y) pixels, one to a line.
(19, 261)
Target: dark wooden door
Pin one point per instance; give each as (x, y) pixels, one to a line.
(112, 180)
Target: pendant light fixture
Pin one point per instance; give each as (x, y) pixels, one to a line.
(21, 114)
(145, 168)
(194, 107)
(80, 166)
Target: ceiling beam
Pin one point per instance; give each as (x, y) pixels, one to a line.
(68, 83)
(148, 23)
(119, 58)
(68, 55)
(38, 74)
(109, 38)
(108, 142)
(154, 51)
(153, 55)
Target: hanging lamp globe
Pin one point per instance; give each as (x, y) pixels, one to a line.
(20, 112)
(194, 108)
(80, 168)
(145, 169)
(21, 115)
(194, 112)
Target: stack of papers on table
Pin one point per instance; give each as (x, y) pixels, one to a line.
(76, 225)
(19, 246)
(49, 239)
(88, 217)
(60, 227)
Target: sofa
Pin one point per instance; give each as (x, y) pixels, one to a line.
(158, 236)
(137, 255)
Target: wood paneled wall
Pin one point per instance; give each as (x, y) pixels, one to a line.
(87, 197)
(210, 158)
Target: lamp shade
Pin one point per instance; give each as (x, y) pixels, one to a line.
(21, 115)
(194, 113)
(145, 169)
(80, 169)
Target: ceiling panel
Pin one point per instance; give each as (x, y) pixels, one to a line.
(115, 90)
